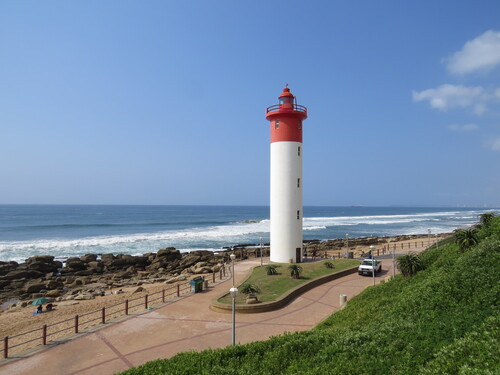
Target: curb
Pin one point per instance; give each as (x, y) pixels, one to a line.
(285, 299)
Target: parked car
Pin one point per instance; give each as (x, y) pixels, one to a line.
(366, 267)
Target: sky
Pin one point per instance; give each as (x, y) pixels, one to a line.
(163, 102)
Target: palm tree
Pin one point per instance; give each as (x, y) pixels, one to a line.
(409, 264)
(328, 264)
(486, 218)
(271, 269)
(466, 238)
(249, 289)
(295, 271)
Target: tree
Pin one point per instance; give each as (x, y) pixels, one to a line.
(486, 218)
(249, 289)
(271, 269)
(466, 238)
(295, 271)
(409, 264)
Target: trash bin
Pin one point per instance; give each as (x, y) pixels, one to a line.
(205, 284)
(196, 285)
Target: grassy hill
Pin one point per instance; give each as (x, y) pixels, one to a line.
(443, 320)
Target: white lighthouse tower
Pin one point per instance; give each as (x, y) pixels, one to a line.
(286, 178)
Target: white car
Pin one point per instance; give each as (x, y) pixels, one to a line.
(366, 268)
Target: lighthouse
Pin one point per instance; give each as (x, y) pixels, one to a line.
(286, 178)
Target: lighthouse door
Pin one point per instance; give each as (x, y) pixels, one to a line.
(298, 255)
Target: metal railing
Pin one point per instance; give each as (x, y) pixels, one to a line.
(101, 316)
(279, 107)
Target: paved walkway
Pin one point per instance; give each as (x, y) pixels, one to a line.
(186, 324)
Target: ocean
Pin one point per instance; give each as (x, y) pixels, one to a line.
(75, 230)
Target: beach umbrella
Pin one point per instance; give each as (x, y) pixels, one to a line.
(40, 301)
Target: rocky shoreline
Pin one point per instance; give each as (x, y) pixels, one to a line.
(91, 275)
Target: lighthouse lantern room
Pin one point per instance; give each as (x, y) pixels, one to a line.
(286, 178)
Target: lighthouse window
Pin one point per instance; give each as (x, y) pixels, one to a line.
(277, 124)
(300, 124)
(299, 151)
(298, 214)
(298, 182)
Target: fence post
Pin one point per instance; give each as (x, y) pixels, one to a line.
(126, 307)
(213, 277)
(44, 334)
(76, 323)
(378, 253)
(178, 290)
(146, 301)
(6, 347)
(103, 315)
(163, 295)
(220, 274)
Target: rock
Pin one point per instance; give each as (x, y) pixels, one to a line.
(6, 267)
(34, 288)
(75, 264)
(202, 270)
(189, 260)
(175, 279)
(53, 293)
(87, 258)
(84, 296)
(216, 268)
(138, 290)
(53, 284)
(22, 274)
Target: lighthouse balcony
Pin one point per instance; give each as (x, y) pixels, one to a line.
(287, 108)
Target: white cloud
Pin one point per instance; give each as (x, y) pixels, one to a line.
(463, 128)
(477, 54)
(494, 144)
(449, 96)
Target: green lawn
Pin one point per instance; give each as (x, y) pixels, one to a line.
(273, 286)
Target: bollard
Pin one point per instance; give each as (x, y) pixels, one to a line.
(103, 315)
(44, 334)
(6, 347)
(343, 299)
(146, 301)
(163, 295)
(76, 323)
(126, 307)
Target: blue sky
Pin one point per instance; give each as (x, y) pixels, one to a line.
(163, 102)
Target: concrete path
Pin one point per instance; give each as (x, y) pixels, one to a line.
(186, 324)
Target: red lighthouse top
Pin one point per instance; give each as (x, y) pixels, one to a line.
(286, 118)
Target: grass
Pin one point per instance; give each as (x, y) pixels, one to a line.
(443, 320)
(273, 286)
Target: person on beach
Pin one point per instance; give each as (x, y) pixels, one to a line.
(39, 309)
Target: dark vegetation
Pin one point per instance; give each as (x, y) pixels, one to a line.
(443, 319)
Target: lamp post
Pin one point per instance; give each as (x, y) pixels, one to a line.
(234, 293)
(393, 262)
(437, 246)
(347, 243)
(232, 257)
(373, 262)
(261, 251)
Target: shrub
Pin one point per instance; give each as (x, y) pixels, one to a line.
(249, 289)
(409, 264)
(466, 238)
(328, 264)
(295, 271)
(272, 269)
